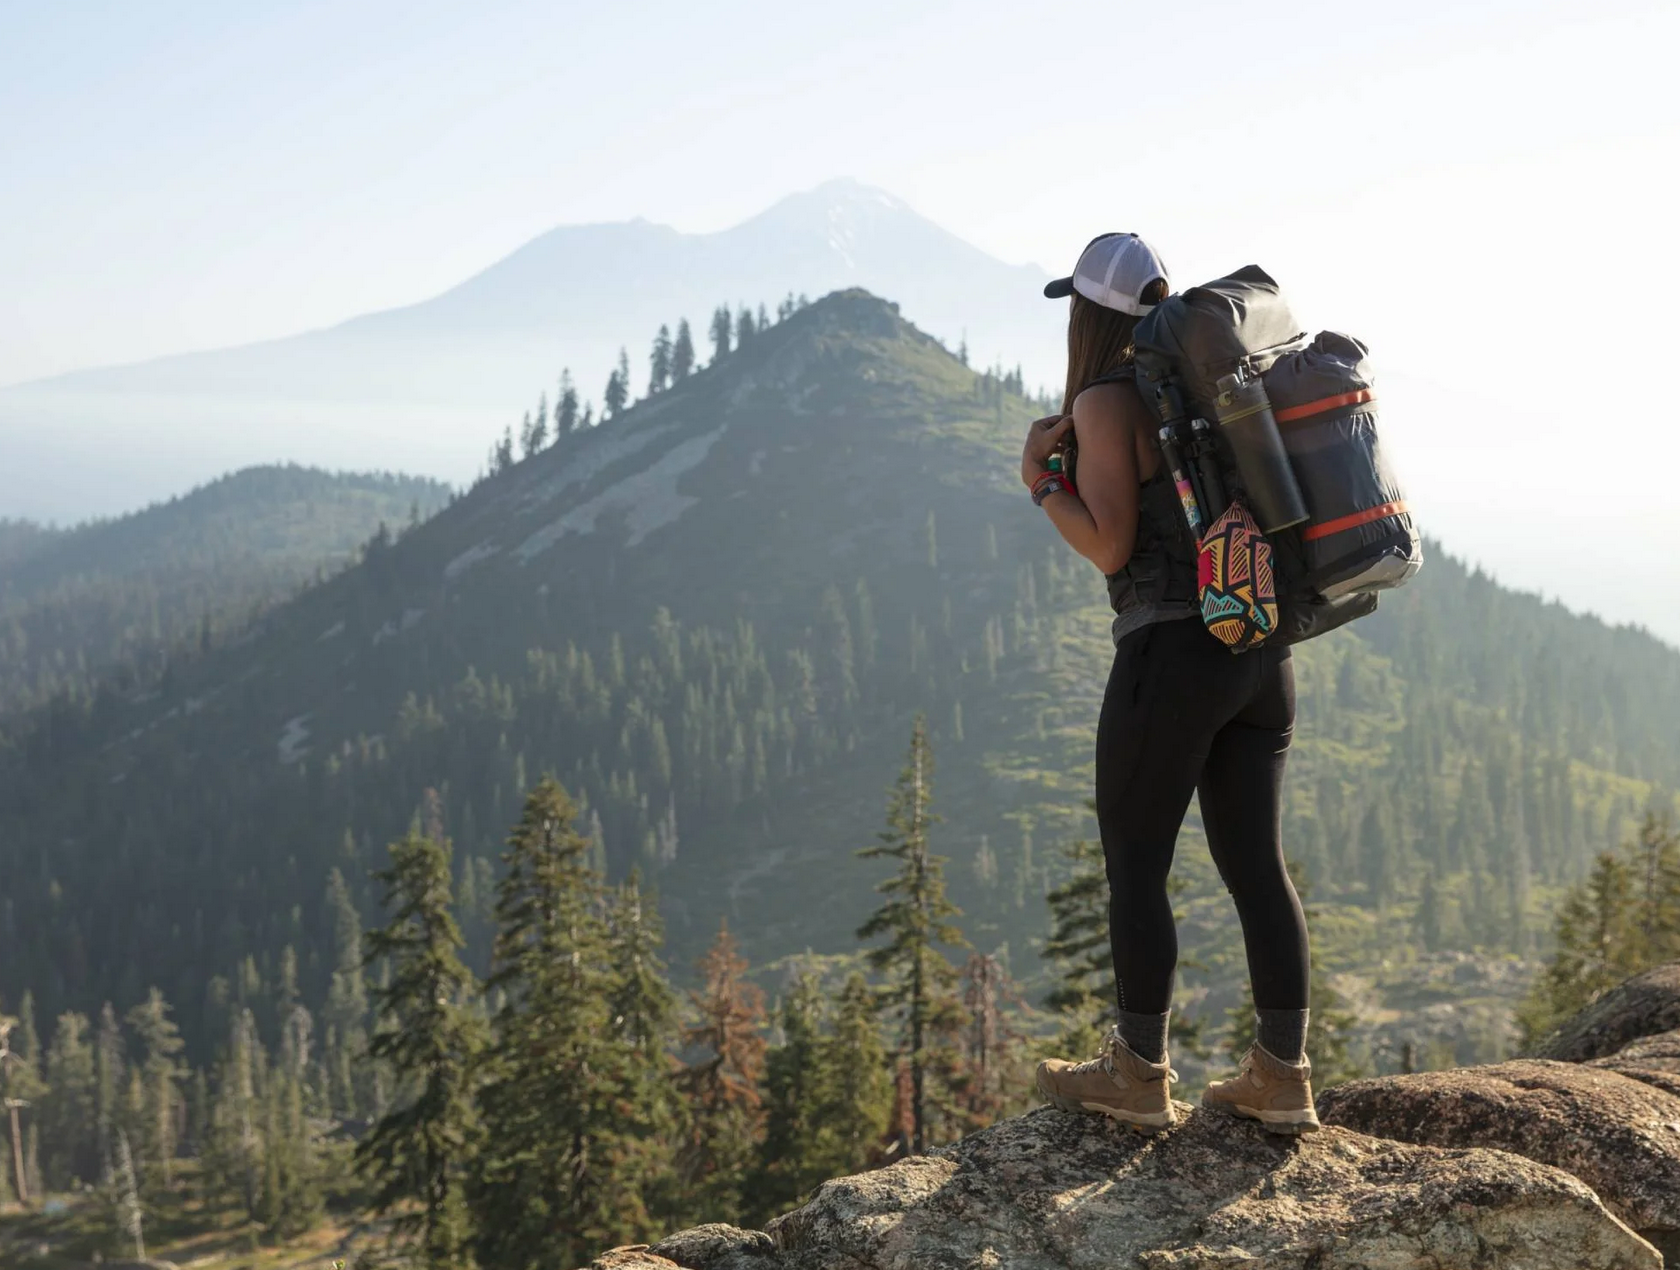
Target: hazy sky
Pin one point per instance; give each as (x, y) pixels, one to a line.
(183, 175)
(1481, 190)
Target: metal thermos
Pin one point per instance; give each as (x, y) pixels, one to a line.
(1245, 418)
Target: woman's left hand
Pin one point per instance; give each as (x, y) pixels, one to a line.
(1044, 437)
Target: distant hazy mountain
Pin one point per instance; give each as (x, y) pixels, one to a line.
(427, 388)
(117, 596)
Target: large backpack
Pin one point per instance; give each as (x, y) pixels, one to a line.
(1359, 539)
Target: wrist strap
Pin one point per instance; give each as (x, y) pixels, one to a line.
(1048, 484)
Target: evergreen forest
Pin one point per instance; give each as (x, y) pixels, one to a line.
(698, 807)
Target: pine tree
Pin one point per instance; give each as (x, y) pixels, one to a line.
(921, 982)
(722, 330)
(791, 1157)
(857, 1089)
(345, 1013)
(292, 1200)
(21, 1090)
(643, 1009)
(68, 1114)
(745, 327)
(565, 407)
(110, 1057)
(617, 393)
(430, 1037)
(993, 1058)
(130, 1215)
(233, 1159)
(534, 435)
(1430, 928)
(1623, 917)
(725, 1110)
(546, 1189)
(1656, 859)
(682, 353)
(160, 1042)
(1080, 949)
(501, 454)
(659, 362)
(1376, 851)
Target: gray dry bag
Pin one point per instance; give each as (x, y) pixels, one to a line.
(1352, 535)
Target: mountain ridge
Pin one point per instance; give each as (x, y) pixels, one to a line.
(121, 596)
(712, 618)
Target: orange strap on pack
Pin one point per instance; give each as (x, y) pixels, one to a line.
(1380, 512)
(1323, 404)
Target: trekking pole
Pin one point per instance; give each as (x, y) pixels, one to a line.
(1207, 467)
(1174, 459)
(1169, 408)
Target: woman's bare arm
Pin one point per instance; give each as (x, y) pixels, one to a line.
(1100, 523)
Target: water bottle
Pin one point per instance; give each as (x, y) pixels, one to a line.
(1245, 418)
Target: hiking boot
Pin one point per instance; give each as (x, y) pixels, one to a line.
(1267, 1089)
(1118, 1083)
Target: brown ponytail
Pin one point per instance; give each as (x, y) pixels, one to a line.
(1100, 340)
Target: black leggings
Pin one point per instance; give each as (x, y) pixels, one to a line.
(1182, 713)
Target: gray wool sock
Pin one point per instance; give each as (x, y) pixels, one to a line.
(1145, 1034)
(1282, 1033)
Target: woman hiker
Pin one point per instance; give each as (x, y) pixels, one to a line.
(1181, 714)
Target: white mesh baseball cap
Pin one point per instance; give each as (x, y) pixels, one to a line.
(1113, 271)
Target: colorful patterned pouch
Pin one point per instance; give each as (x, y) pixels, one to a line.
(1235, 585)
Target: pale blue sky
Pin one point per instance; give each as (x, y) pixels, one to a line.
(184, 175)
(1481, 190)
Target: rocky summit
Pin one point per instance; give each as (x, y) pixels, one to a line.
(1619, 1135)
(1052, 1190)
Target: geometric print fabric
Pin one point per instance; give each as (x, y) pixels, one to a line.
(1235, 583)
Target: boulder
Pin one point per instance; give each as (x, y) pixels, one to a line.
(1644, 1005)
(1652, 1059)
(713, 1246)
(718, 1247)
(631, 1257)
(1053, 1191)
(1619, 1136)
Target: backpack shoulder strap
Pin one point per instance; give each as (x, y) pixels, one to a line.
(1126, 374)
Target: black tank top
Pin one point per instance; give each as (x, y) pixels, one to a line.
(1158, 583)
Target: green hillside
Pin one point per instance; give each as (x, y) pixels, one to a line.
(713, 618)
(115, 596)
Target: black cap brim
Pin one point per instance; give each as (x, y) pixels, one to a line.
(1059, 288)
